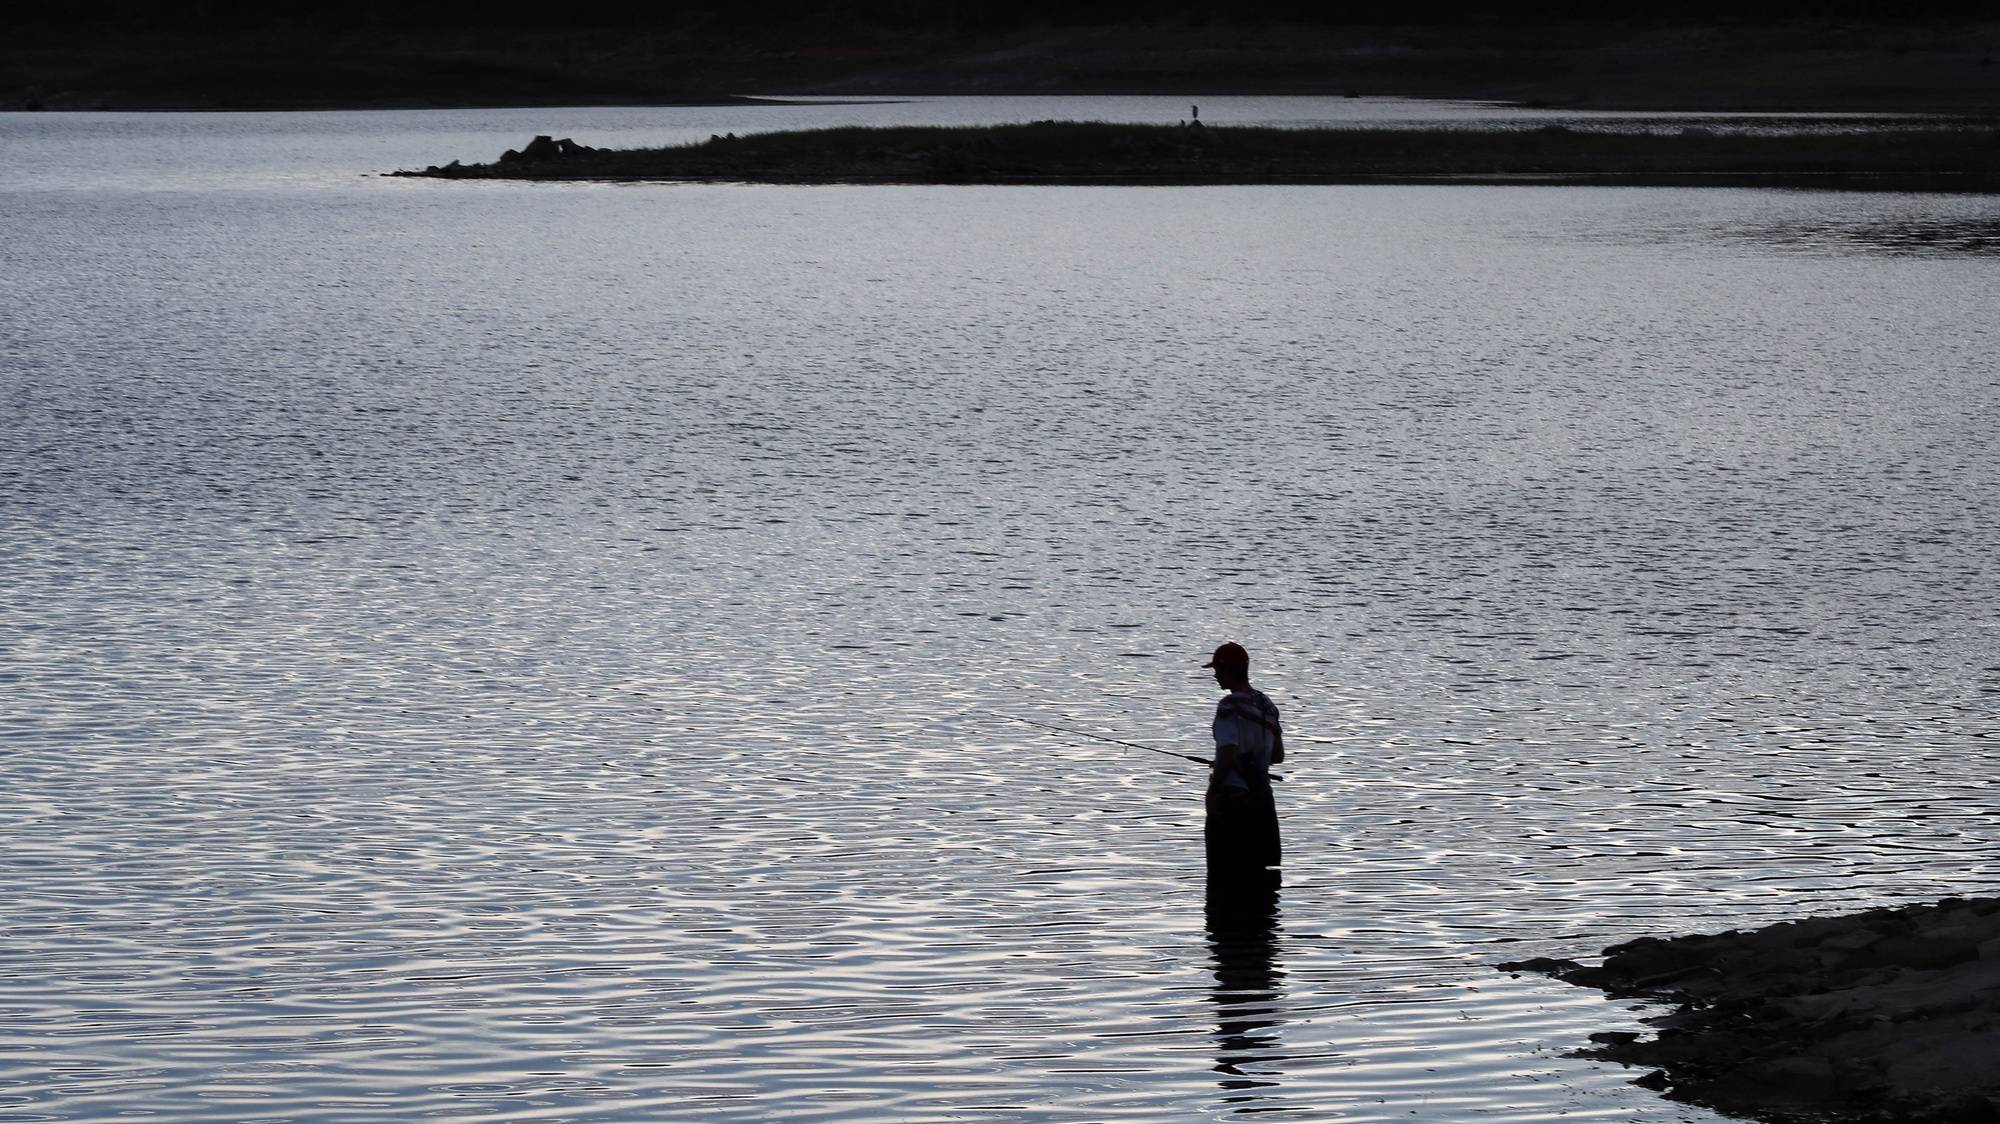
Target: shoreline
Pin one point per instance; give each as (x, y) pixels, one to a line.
(1961, 159)
(1887, 1014)
(1830, 181)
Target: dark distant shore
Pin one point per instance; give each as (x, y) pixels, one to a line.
(163, 60)
(1965, 158)
(1889, 1014)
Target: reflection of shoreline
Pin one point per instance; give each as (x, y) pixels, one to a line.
(1913, 236)
(1242, 937)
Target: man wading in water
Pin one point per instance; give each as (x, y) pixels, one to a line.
(1242, 827)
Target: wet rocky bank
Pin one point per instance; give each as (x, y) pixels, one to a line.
(1959, 157)
(1892, 1014)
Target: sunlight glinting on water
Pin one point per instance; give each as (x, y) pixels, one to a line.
(535, 652)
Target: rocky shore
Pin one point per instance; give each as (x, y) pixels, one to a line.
(1888, 1015)
(1961, 157)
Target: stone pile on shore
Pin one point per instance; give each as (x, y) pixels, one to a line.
(538, 153)
(1890, 1014)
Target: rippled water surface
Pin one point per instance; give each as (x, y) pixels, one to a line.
(547, 651)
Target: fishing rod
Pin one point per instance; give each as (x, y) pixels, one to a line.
(1102, 738)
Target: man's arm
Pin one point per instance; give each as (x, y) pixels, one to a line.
(1225, 758)
(1227, 730)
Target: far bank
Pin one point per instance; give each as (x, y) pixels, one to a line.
(1911, 65)
(1964, 157)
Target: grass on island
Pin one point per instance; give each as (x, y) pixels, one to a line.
(1962, 156)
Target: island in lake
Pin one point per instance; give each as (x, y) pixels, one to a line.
(1950, 156)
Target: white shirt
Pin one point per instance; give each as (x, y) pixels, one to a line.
(1248, 720)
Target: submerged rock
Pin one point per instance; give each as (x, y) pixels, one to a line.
(1890, 1014)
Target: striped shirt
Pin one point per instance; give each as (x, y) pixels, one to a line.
(1247, 720)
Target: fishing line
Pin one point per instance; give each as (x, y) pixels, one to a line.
(1102, 738)
(1115, 741)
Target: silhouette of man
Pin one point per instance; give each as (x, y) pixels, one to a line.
(1241, 831)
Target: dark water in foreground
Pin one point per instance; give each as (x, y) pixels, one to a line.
(538, 652)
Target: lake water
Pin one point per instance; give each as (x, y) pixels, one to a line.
(485, 650)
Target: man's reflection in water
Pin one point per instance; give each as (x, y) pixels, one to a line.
(1242, 936)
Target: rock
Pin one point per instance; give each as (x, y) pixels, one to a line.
(1657, 1081)
(543, 149)
(1971, 1108)
(1818, 1008)
(1546, 965)
(1817, 1070)
(1588, 976)
(1649, 957)
(1853, 940)
(1883, 1015)
(1925, 952)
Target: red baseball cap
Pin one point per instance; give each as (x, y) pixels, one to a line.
(1229, 655)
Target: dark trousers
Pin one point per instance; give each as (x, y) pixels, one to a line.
(1241, 830)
